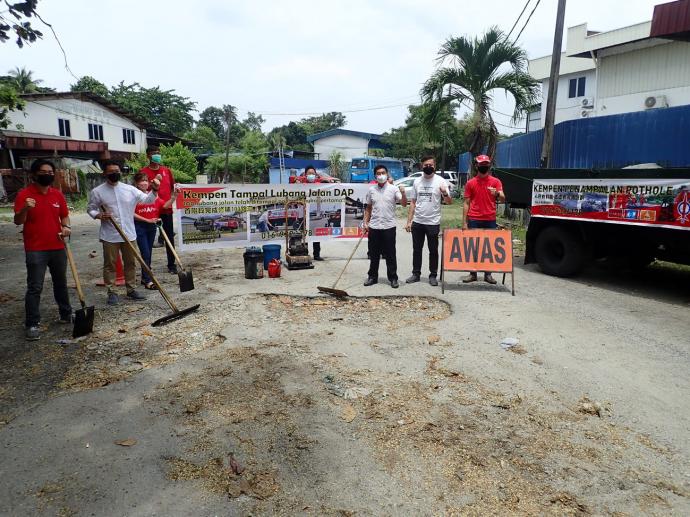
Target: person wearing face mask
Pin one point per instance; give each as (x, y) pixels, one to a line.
(479, 210)
(43, 211)
(424, 218)
(379, 223)
(156, 170)
(311, 177)
(118, 201)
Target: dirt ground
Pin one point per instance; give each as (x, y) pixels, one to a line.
(273, 399)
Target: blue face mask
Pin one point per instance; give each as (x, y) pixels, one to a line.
(311, 178)
(156, 158)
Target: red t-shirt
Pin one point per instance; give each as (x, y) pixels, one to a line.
(43, 222)
(482, 203)
(167, 183)
(151, 210)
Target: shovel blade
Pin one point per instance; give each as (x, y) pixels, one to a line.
(186, 280)
(338, 293)
(175, 316)
(83, 322)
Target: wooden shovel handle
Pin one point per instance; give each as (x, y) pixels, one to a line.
(348, 260)
(170, 246)
(73, 267)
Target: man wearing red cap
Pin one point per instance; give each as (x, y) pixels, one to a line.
(479, 211)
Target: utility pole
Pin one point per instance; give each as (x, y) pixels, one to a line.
(553, 87)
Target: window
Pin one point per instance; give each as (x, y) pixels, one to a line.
(576, 87)
(128, 136)
(360, 164)
(63, 127)
(95, 132)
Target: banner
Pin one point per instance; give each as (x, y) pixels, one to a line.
(655, 202)
(239, 215)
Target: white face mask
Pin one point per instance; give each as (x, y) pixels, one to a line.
(382, 178)
(311, 178)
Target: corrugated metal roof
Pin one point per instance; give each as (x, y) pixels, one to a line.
(672, 20)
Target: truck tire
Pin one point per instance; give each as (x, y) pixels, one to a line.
(559, 252)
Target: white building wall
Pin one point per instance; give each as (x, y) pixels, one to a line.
(569, 108)
(350, 146)
(42, 117)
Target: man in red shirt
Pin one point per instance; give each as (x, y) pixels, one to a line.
(479, 211)
(42, 210)
(167, 183)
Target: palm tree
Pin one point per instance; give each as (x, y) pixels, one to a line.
(476, 68)
(22, 80)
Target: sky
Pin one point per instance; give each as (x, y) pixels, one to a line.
(288, 60)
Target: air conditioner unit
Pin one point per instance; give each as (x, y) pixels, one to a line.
(587, 102)
(656, 101)
(585, 113)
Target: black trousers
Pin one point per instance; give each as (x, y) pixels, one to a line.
(382, 242)
(167, 223)
(36, 264)
(419, 232)
(317, 249)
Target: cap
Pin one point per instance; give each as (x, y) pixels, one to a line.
(482, 158)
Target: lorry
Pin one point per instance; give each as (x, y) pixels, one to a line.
(628, 216)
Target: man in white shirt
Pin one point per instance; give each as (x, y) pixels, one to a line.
(424, 218)
(117, 201)
(379, 222)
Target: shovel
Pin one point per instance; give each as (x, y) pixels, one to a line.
(339, 293)
(176, 313)
(83, 318)
(184, 275)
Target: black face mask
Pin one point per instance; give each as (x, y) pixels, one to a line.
(429, 170)
(45, 180)
(483, 169)
(114, 177)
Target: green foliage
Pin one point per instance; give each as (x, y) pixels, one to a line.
(23, 80)
(89, 84)
(253, 122)
(13, 19)
(246, 165)
(477, 67)
(324, 122)
(213, 117)
(9, 101)
(295, 133)
(205, 138)
(336, 166)
(180, 160)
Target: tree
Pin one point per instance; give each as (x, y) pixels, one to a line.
(229, 120)
(336, 167)
(213, 117)
(164, 109)
(22, 80)
(180, 160)
(13, 19)
(9, 101)
(477, 67)
(89, 84)
(324, 122)
(253, 122)
(205, 138)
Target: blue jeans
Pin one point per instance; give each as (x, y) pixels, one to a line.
(36, 264)
(474, 224)
(146, 235)
(167, 223)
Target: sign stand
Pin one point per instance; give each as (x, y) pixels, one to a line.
(492, 249)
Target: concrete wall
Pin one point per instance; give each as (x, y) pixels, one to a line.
(566, 108)
(42, 117)
(350, 146)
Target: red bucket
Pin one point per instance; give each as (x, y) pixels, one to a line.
(274, 268)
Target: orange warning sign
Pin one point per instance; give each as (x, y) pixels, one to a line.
(478, 250)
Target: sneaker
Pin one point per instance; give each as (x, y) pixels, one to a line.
(433, 281)
(66, 320)
(135, 295)
(395, 284)
(472, 277)
(370, 281)
(412, 279)
(318, 257)
(172, 270)
(32, 334)
(113, 299)
(489, 279)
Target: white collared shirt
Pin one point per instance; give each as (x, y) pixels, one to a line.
(120, 200)
(382, 201)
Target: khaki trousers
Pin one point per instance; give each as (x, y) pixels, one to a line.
(110, 253)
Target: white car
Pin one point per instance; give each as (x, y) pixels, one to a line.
(408, 182)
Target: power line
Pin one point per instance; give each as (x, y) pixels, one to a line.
(528, 19)
(64, 54)
(518, 19)
(314, 113)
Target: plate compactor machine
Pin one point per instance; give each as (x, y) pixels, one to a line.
(296, 245)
